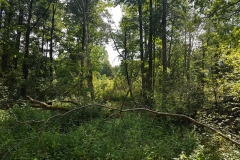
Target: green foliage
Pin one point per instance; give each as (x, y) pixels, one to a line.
(106, 69)
(103, 85)
(85, 134)
(202, 79)
(209, 151)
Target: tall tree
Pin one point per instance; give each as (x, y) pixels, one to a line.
(164, 51)
(51, 42)
(19, 34)
(140, 19)
(84, 6)
(25, 65)
(150, 56)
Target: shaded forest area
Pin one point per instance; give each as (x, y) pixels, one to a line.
(175, 95)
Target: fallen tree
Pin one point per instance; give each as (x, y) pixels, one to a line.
(68, 111)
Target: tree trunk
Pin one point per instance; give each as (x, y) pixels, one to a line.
(18, 38)
(1, 16)
(6, 38)
(188, 47)
(164, 50)
(150, 57)
(164, 36)
(51, 43)
(25, 65)
(126, 64)
(189, 56)
(141, 48)
(170, 50)
(89, 64)
(185, 53)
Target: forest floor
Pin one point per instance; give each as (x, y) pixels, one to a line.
(100, 133)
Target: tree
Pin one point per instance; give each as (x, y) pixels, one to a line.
(164, 51)
(140, 20)
(51, 42)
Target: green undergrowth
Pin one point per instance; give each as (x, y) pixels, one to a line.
(91, 134)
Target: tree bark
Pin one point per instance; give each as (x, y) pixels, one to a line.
(25, 65)
(164, 36)
(51, 43)
(6, 37)
(18, 38)
(164, 51)
(89, 64)
(126, 64)
(141, 48)
(150, 96)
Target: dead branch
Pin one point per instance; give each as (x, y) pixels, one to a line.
(75, 103)
(39, 104)
(188, 118)
(131, 110)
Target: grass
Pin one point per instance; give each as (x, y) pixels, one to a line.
(87, 134)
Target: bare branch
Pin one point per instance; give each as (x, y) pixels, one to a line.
(45, 105)
(131, 110)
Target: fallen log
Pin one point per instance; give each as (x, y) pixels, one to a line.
(46, 106)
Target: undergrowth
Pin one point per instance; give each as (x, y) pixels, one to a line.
(90, 134)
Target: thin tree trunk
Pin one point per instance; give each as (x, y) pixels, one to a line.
(164, 36)
(185, 53)
(6, 38)
(43, 39)
(141, 48)
(51, 43)
(89, 64)
(164, 51)
(126, 64)
(154, 46)
(170, 51)
(189, 56)
(82, 62)
(3, 57)
(202, 76)
(150, 57)
(1, 16)
(25, 65)
(18, 39)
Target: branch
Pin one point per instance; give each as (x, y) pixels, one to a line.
(132, 110)
(45, 105)
(35, 24)
(223, 8)
(186, 117)
(75, 103)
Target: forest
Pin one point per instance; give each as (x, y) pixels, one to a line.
(174, 96)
